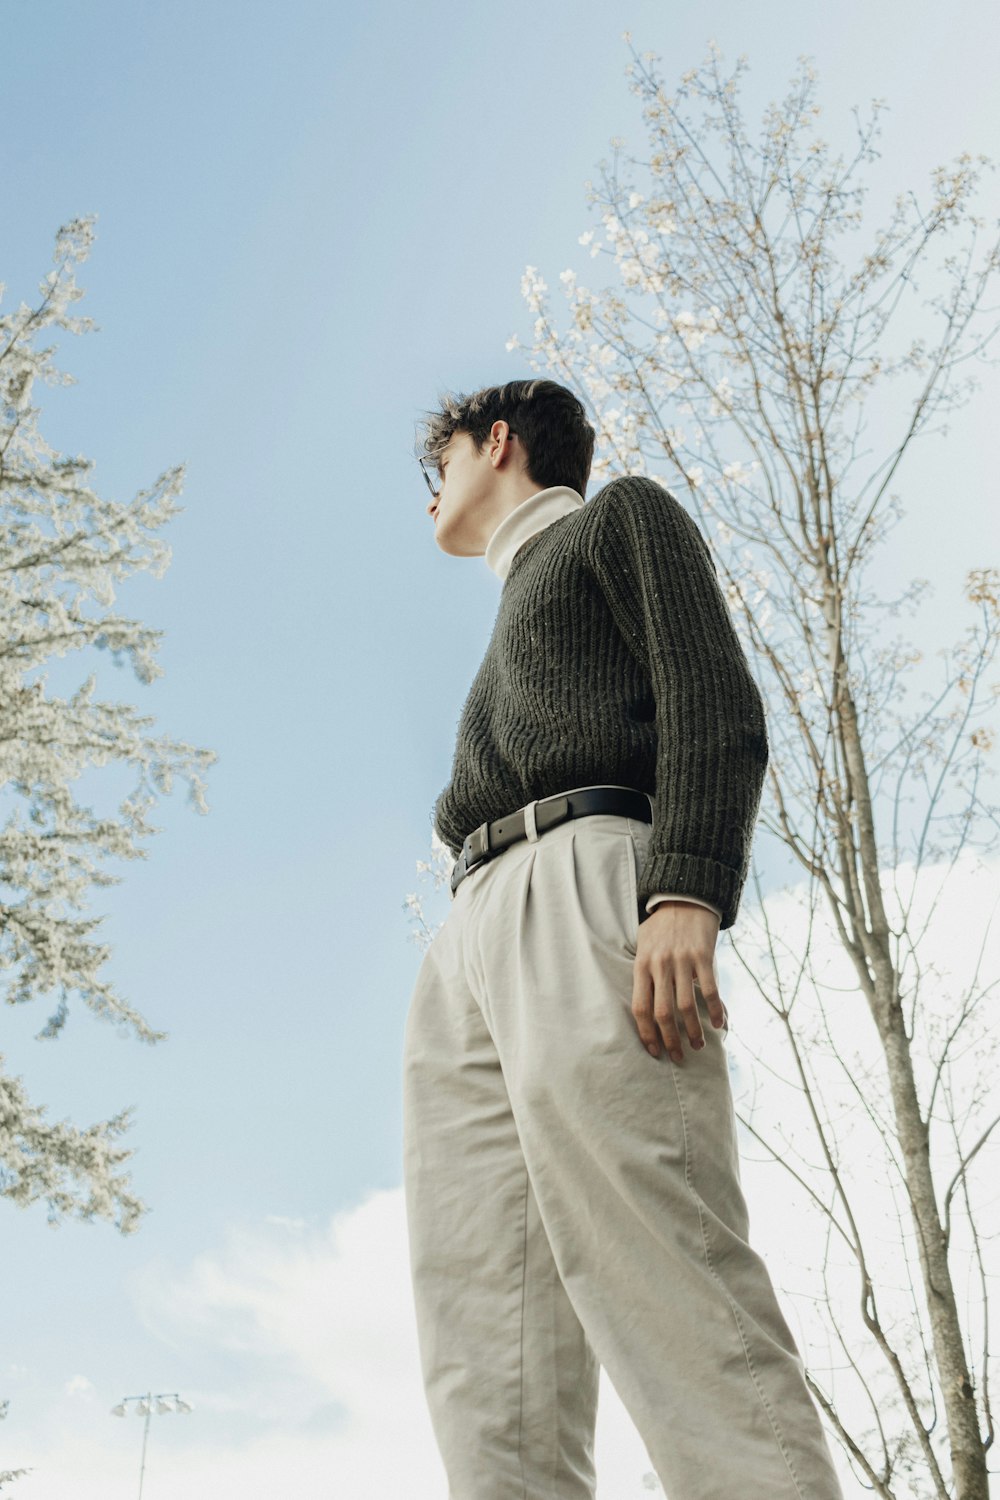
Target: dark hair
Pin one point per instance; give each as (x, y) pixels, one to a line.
(547, 417)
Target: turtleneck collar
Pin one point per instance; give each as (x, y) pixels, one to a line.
(531, 516)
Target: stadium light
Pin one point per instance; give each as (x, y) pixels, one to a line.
(165, 1401)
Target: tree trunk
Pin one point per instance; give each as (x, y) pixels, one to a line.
(967, 1451)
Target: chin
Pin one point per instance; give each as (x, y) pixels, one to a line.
(452, 546)
(441, 536)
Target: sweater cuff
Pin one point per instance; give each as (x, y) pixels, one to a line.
(673, 896)
(694, 876)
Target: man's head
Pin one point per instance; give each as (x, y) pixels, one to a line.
(494, 449)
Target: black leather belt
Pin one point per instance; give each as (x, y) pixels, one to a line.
(491, 839)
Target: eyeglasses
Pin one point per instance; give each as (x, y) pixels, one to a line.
(426, 473)
(423, 462)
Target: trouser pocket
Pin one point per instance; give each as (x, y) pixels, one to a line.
(636, 842)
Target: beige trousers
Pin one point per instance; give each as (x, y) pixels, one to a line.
(574, 1202)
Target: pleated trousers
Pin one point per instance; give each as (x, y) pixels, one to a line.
(573, 1202)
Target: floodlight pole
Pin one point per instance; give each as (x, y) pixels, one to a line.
(147, 1400)
(145, 1435)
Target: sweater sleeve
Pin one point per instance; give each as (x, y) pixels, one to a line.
(656, 572)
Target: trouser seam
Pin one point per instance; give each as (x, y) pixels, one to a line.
(729, 1299)
(524, 1283)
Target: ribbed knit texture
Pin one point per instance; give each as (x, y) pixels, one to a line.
(614, 658)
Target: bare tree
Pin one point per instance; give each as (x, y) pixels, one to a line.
(63, 549)
(735, 358)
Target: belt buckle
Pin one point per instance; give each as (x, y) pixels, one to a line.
(479, 847)
(479, 843)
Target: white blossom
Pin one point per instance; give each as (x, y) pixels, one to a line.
(533, 287)
(63, 549)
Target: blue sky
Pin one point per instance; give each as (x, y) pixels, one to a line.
(311, 221)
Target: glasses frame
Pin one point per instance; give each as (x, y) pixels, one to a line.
(430, 483)
(423, 462)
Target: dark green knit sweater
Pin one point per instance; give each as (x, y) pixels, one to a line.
(614, 658)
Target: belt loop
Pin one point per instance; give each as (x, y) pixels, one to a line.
(529, 823)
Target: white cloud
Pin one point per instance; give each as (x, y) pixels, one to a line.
(322, 1321)
(79, 1386)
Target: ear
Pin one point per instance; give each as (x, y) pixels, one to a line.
(498, 433)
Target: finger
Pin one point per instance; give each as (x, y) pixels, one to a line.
(687, 1007)
(710, 992)
(663, 1014)
(642, 1008)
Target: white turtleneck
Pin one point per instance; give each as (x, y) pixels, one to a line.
(524, 521)
(531, 516)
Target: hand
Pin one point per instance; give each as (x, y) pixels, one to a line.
(676, 950)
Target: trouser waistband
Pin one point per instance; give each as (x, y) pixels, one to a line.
(538, 816)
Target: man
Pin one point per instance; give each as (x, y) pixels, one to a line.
(570, 1159)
